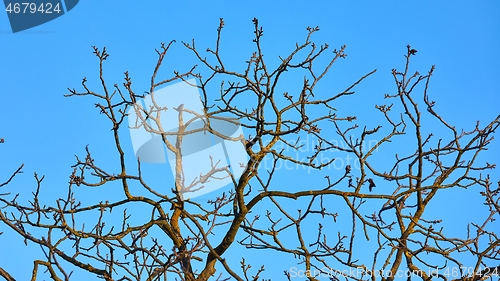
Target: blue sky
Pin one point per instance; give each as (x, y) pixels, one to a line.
(45, 130)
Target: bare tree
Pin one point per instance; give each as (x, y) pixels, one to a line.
(255, 215)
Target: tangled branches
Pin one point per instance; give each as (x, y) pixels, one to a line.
(373, 206)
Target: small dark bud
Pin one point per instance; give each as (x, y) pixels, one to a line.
(372, 184)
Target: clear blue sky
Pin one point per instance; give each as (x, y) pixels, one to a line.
(44, 130)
